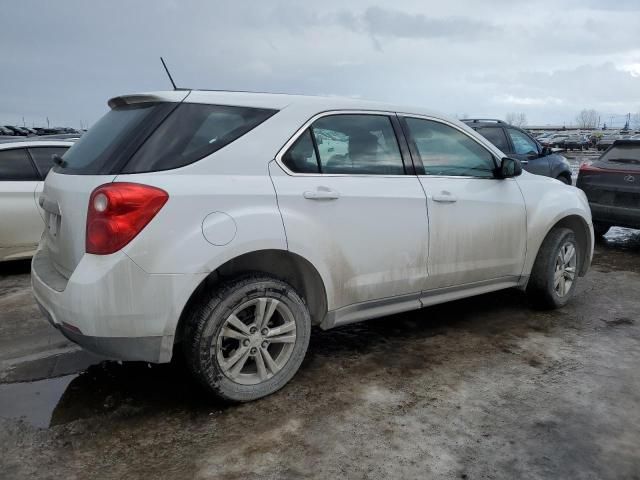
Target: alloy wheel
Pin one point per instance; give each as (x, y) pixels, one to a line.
(565, 269)
(256, 341)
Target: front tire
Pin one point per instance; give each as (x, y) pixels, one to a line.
(247, 339)
(555, 272)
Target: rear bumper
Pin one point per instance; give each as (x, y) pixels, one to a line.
(112, 307)
(618, 216)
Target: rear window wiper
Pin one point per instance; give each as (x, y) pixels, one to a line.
(58, 160)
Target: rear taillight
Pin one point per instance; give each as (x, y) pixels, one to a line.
(587, 166)
(118, 212)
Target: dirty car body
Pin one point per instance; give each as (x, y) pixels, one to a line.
(230, 223)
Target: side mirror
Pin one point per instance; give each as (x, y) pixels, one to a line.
(546, 151)
(509, 167)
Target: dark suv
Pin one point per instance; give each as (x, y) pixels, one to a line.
(517, 143)
(612, 185)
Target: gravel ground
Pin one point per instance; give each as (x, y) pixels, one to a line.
(480, 388)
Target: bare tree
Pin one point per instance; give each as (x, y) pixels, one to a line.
(519, 119)
(587, 119)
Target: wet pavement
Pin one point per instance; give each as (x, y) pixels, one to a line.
(480, 388)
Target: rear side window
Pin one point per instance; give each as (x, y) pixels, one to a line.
(43, 157)
(112, 140)
(495, 136)
(16, 165)
(301, 157)
(347, 144)
(193, 131)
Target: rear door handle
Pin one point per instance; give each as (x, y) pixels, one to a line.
(322, 194)
(445, 198)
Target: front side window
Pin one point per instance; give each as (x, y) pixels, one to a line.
(445, 150)
(496, 136)
(15, 165)
(43, 156)
(522, 144)
(357, 144)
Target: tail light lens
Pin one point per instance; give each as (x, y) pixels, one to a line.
(118, 212)
(587, 166)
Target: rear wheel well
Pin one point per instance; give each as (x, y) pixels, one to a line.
(286, 266)
(581, 231)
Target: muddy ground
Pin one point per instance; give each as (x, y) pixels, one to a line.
(480, 388)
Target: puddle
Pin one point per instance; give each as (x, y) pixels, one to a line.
(105, 388)
(33, 402)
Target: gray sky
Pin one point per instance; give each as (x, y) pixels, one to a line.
(547, 58)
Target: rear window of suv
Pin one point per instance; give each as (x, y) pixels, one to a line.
(623, 154)
(149, 137)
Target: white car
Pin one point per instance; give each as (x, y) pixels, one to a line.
(23, 167)
(228, 224)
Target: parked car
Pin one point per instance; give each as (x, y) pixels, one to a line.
(554, 140)
(4, 131)
(23, 166)
(612, 185)
(18, 131)
(218, 224)
(606, 141)
(576, 142)
(516, 143)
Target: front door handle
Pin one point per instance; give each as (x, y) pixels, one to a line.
(445, 198)
(322, 194)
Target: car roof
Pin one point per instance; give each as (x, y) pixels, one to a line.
(277, 101)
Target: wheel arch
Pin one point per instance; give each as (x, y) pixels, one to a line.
(282, 264)
(583, 235)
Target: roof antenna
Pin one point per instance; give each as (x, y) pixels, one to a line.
(168, 74)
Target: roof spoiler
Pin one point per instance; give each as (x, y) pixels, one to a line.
(173, 96)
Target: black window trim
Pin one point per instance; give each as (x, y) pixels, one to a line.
(31, 160)
(307, 125)
(416, 156)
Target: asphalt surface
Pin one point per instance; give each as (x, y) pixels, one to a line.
(480, 388)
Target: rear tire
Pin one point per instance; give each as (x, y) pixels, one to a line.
(555, 272)
(247, 339)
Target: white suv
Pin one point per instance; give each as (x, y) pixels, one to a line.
(225, 225)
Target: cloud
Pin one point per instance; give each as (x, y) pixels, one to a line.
(65, 59)
(394, 23)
